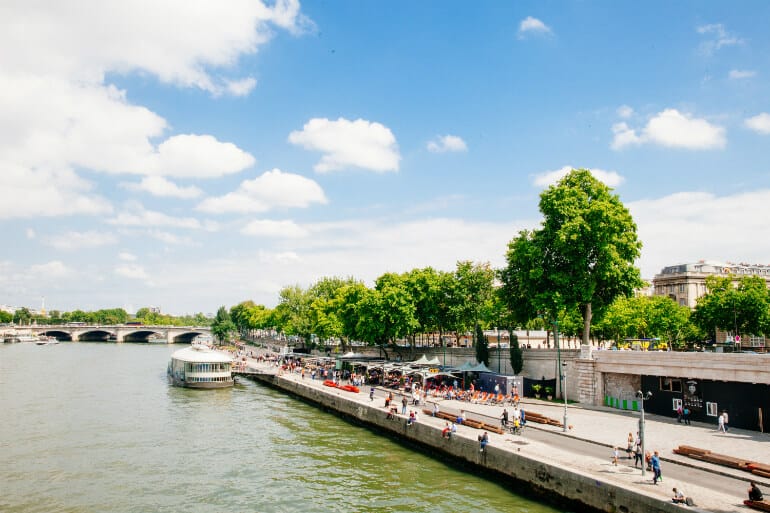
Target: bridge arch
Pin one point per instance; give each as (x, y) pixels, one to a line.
(57, 334)
(93, 335)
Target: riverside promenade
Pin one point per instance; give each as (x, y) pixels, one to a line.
(564, 464)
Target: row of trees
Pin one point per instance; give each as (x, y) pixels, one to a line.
(107, 316)
(575, 272)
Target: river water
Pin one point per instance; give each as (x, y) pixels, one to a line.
(95, 427)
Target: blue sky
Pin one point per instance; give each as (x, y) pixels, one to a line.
(159, 154)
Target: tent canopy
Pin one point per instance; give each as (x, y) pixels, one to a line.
(480, 368)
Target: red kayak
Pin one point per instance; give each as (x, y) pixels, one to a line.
(350, 388)
(330, 383)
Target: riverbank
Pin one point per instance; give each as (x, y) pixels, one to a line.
(559, 474)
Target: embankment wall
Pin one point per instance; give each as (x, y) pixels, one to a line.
(546, 479)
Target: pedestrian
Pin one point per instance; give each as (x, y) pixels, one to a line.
(638, 453)
(679, 414)
(615, 456)
(727, 420)
(371, 392)
(435, 409)
(504, 418)
(483, 441)
(721, 423)
(404, 402)
(657, 475)
(687, 415)
(629, 445)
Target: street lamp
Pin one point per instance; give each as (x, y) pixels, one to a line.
(564, 391)
(498, 349)
(642, 397)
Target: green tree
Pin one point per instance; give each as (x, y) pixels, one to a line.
(582, 257)
(647, 317)
(223, 326)
(293, 313)
(5, 317)
(482, 346)
(517, 355)
(471, 293)
(22, 316)
(741, 308)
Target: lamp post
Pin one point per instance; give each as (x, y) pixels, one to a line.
(558, 355)
(642, 397)
(564, 391)
(498, 349)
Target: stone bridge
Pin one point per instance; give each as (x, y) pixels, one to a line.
(121, 333)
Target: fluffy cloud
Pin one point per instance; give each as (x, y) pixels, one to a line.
(548, 178)
(625, 112)
(673, 129)
(137, 215)
(132, 271)
(273, 189)
(689, 226)
(159, 186)
(81, 240)
(126, 256)
(759, 123)
(447, 143)
(345, 143)
(737, 74)
(530, 25)
(52, 269)
(59, 114)
(270, 228)
(57, 192)
(717, 37)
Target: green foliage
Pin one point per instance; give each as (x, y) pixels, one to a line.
(647, 317)
(223, 327)
(517, 355)
(5, 317)
(742, 308)
(482, 346)
(581, 258)
(22, 316)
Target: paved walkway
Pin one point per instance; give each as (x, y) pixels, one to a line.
(713, 487)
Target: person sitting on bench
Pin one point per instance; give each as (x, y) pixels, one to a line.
(755, 494)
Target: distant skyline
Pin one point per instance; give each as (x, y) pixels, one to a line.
(189, 156)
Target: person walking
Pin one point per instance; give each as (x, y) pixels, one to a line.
(657, 475)
(371, 394)
(721, 423)
(404, 403)
(504, 418)
(629, 445)
(615, 456)
(638, 453)
(727, 420)
(686, 415)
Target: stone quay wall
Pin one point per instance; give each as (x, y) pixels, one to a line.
(521, 473)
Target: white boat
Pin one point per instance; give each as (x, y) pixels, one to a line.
(47, 341)
(27, 338)
(199, 366)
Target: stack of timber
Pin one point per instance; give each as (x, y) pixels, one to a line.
(754, 467)
(466, 422)
(542, 419)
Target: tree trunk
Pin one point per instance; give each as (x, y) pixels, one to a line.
(587, 315)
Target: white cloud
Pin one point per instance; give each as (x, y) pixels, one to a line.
(52, 269)
(139, 216)
(70, 241)
(737, 74)
(98, 36)
(241, 87)
(273, 189)
(345, 143)
(132, 271)
(30, 233)
(717, 38)
(447, 143)
(59, 113)
(690, 226)
(270, 228)
(673, 129)
(159, 186)
(530, 25)
(126, 256)
(625, 112)
(759, 123)
(548, 178)
(171, 238)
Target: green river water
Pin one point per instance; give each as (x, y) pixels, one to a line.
(95, 427)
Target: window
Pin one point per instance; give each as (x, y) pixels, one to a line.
(711, 409)
(681, 287)
(670, 385)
